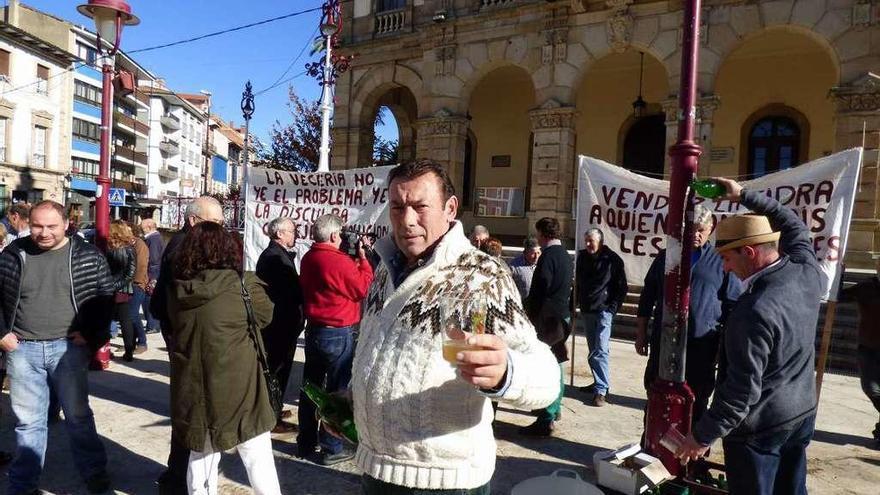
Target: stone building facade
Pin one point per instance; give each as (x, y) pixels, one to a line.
(507, 93)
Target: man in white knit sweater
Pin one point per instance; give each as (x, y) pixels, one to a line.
(424, 425)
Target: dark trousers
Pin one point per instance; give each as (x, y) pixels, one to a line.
(329, 352)
(702, 356)
(770, 463)
(869, 368)
(372, 486)
(280, 344)
(122, 314)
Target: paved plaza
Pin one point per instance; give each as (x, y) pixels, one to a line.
(131, 405)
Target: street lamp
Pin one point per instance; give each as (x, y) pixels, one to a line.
(207, 149)
(329, 28)
(247, 111)
(110, 17)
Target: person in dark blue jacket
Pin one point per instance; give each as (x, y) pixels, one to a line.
(764, 406)
(712, 294)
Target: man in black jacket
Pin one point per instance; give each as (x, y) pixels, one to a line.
(277, 269)
(57, 298)
(601, 290)
(205, 208)
(764, 406)
(548, 306)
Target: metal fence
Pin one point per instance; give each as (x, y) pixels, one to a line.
(174, 209)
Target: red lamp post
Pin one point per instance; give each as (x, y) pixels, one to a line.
(110, 17)
(670, 400)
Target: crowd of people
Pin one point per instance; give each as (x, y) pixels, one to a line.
(372, 318)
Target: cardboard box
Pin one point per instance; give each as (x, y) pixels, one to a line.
(629, 470)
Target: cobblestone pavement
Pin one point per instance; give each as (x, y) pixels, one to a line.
(130, 401)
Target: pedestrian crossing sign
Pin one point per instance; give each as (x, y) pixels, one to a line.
(117, 196)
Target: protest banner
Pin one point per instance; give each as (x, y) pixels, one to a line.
(631, 209)
(358, 196)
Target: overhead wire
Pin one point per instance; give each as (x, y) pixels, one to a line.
(225, 31)
(290, 66)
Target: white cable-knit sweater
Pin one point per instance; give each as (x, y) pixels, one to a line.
(419, 424)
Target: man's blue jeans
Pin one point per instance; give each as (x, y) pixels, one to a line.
(32, 368)
(598, 329)
(770, 463)
(134, 306)
(329, 352)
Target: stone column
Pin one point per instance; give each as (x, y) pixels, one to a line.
(706, 106)
(441, 137)
(553, 168)
(857, 118)
(352, 148)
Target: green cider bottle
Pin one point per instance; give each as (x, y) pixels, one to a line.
(334, 411)
(708, 188)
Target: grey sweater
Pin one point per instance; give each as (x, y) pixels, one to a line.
(769, 339)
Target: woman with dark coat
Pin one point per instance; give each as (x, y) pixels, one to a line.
(219, 397)
(122, 262)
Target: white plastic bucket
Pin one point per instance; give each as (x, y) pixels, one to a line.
(560, 482)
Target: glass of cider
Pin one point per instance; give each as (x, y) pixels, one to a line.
(462, 317)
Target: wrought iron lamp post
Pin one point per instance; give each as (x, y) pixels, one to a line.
(329, 29)
(247, 111)
(110, 17)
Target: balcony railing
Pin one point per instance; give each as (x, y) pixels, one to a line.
(132, 187)
(170, 121)
(488, 4)
(131, 123)
(391, 21)
(168, 172)
(129, 154)
(169, 147)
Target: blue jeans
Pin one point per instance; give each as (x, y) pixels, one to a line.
(32, 368)
(152, 322)
(372, 486)
(770, 463)
(134, 306)
(329, 352)
(598, 329)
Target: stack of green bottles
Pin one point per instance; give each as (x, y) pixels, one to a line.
(335, 412)
(708, 188)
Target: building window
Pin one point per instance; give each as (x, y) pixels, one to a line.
(4, 64)
(81, 166)
(40, 134)
(127, 110)
(42, 79)
(774, 145)
(386, 5)
(87, 131)
(87, 53)
(87, 93)
(3, 127)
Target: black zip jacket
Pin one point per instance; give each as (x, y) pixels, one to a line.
(601, 281)
(92, 288)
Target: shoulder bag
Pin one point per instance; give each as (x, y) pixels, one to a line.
(275, 392)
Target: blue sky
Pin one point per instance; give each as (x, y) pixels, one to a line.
(221, 64)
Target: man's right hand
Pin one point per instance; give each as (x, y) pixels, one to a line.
(9, 342)
(641, 340)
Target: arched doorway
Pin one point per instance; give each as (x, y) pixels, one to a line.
(774, 144)
(644, 147)
(386, 138)
(390, 116)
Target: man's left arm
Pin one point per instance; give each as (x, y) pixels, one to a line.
(619, 285)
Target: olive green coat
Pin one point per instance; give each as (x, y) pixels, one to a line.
(217, 386)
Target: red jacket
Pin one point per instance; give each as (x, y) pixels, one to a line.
(333, 286)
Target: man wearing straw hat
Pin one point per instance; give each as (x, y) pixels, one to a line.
(764, 407)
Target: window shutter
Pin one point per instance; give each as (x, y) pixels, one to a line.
(4, 63)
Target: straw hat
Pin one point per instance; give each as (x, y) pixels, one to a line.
(743, 230)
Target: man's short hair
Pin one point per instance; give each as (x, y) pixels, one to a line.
(549, 227)
(276, 226)
(702, 215)
(530, 244)
(414, 169)
(48, 203)
(21, 209)
(325, 226)
(148, 223)
(594, 232)
(195, 209)
(479, 229)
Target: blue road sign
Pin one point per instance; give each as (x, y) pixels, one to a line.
(117, 196)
